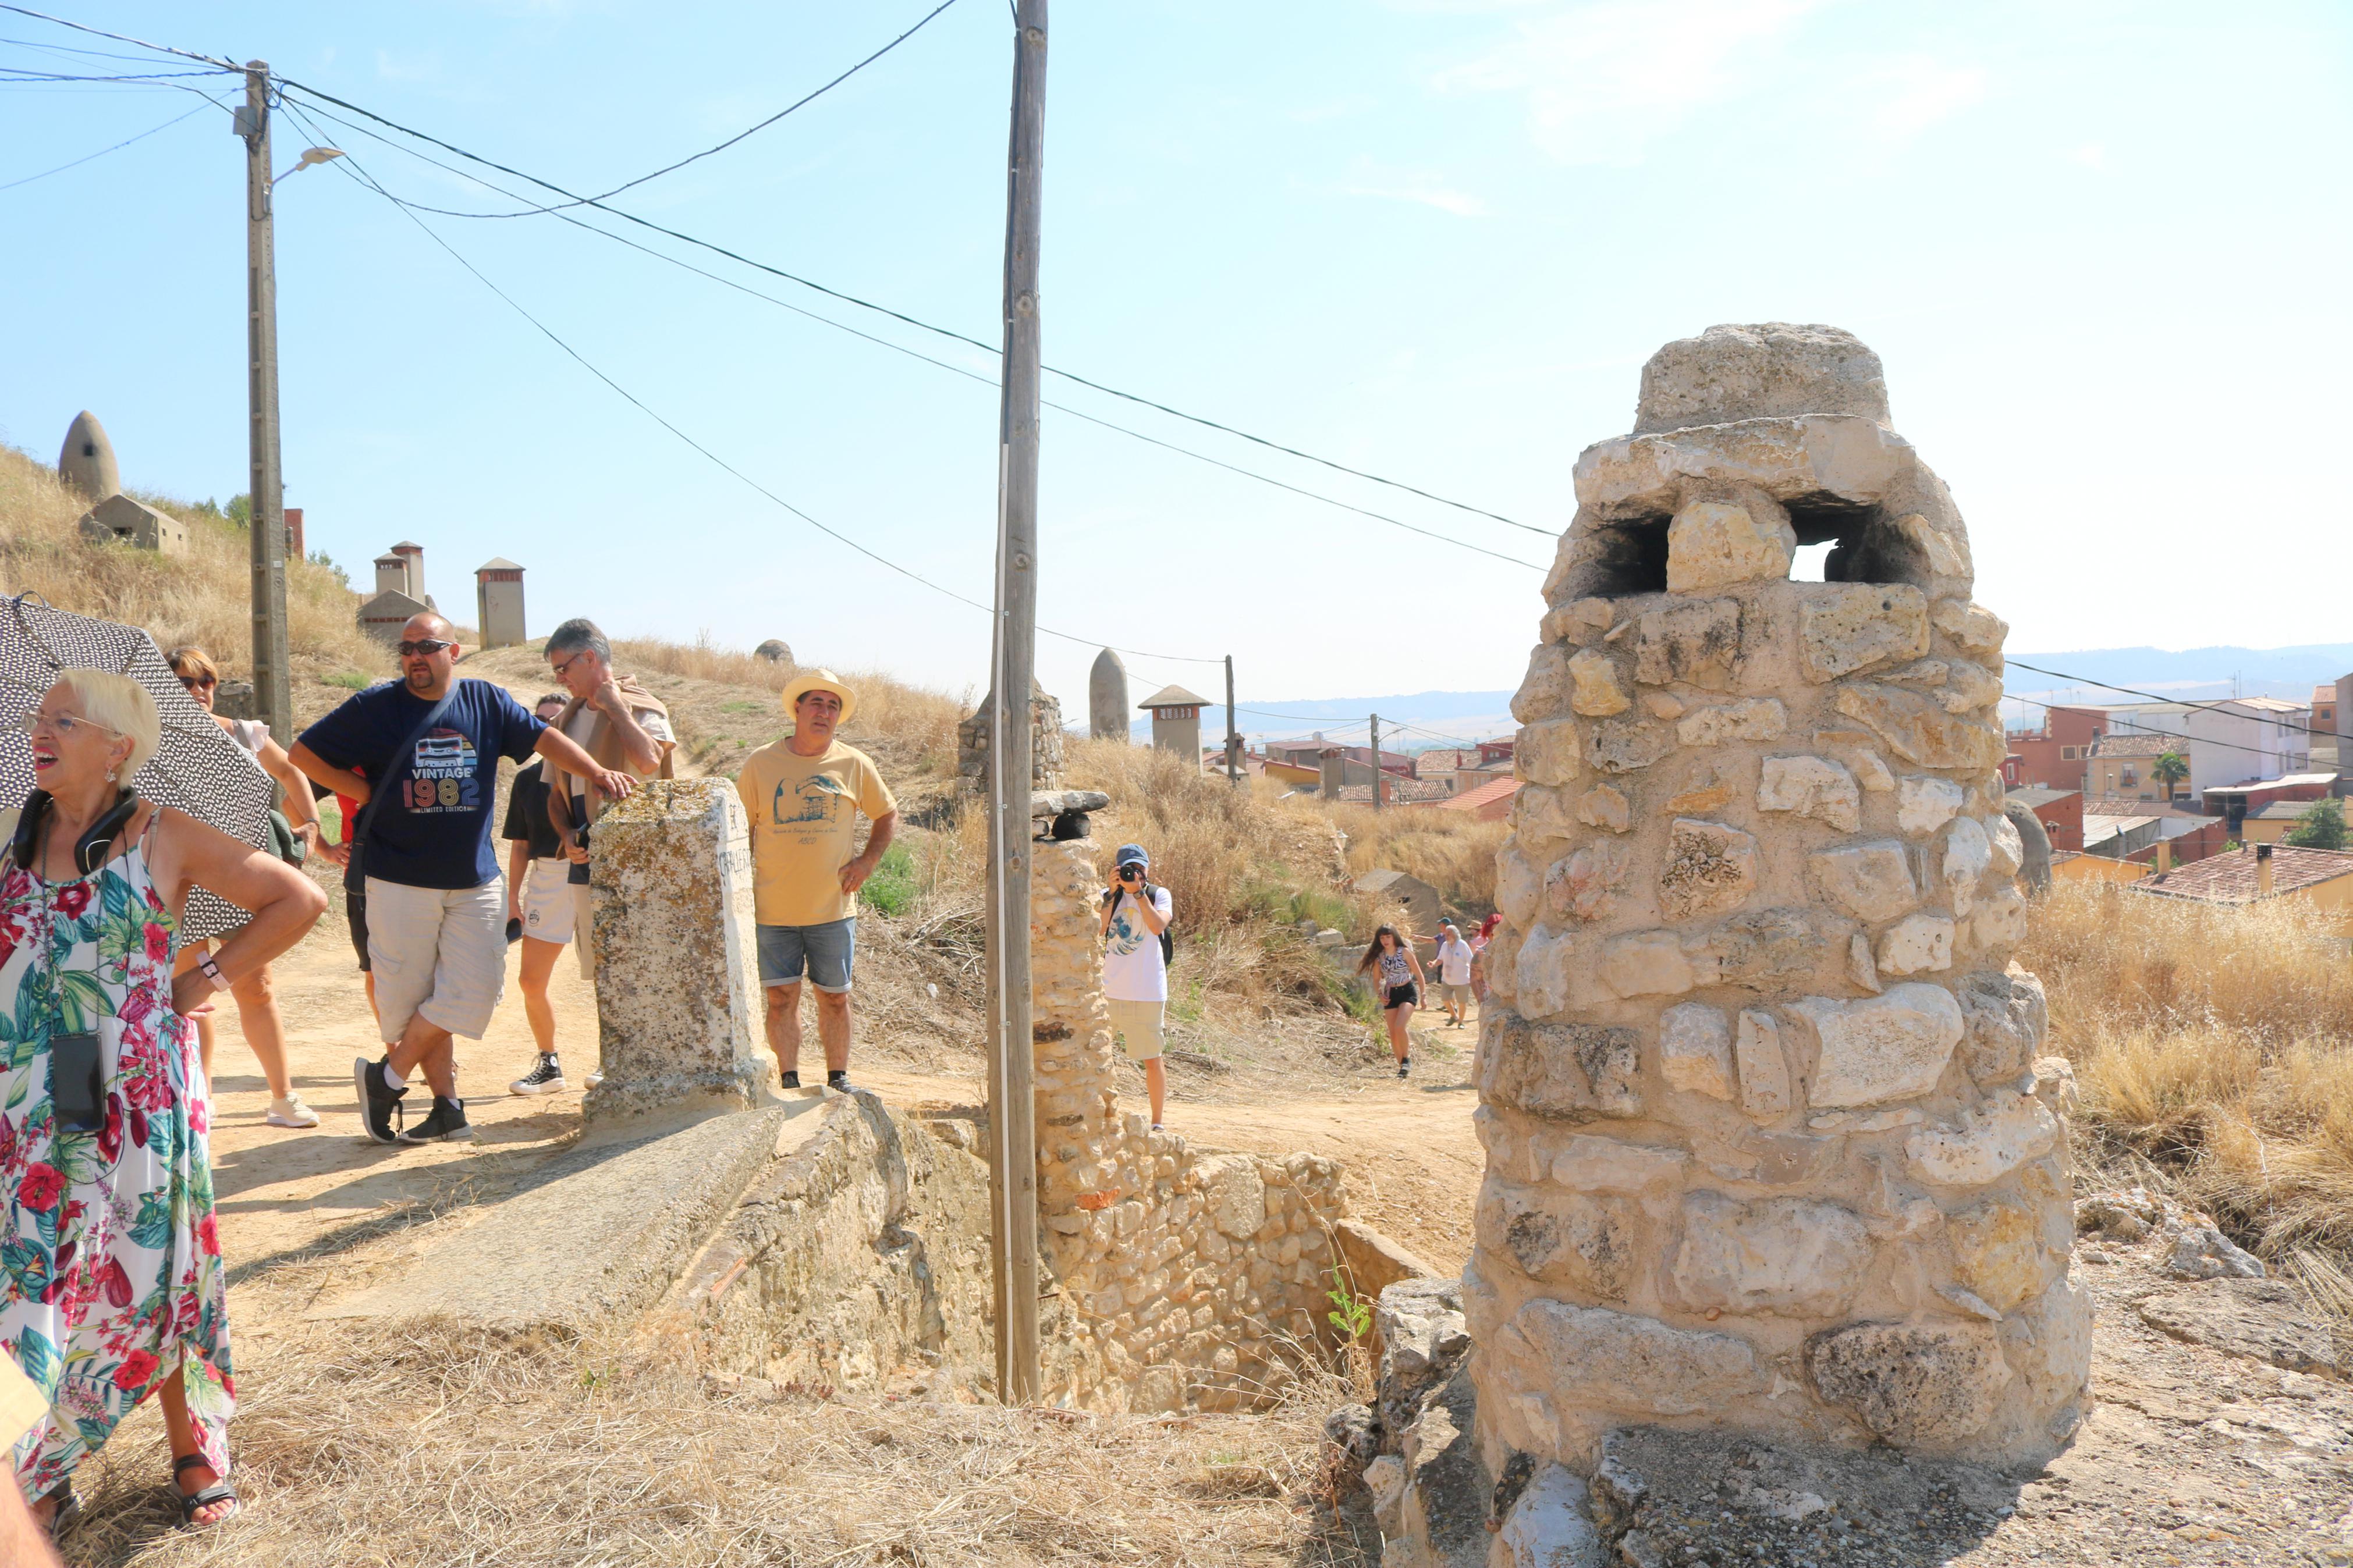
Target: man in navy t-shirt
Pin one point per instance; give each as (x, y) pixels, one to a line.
(436, 912)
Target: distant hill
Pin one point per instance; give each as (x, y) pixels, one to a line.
(1430, 717)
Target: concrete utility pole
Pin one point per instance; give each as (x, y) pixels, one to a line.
(1376, 761)
(1233, 729)
(273, 692)
(1012, 1109)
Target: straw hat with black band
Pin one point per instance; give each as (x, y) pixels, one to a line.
(821, 680)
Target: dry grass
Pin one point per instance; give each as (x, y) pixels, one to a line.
(2215, 1046)
(1447, 849)
(413, 1446)
(202, 596)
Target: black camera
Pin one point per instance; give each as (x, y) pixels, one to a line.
(578, 873)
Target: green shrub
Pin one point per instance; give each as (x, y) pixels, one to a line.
(350, 679)
(892, 889)
(2321, 827)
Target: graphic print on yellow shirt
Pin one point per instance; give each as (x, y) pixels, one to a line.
(804, 815)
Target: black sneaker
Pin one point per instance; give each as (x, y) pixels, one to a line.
(1405, 1067)
(379, 1101)
(446, 1124)
(837, 1081)
(546, 1077)
(791, 1078)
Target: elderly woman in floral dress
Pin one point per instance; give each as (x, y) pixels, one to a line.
(110, 1280)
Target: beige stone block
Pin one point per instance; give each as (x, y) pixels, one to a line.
(1923, 804)
(1787, 1255)
(1715, 544)
(1765, 1080)
(2000, 921)
(1860, 967)
(2009, 850)
(1878, 1049)
(1696, 644)
(1919, 730)
(1626, 744)
(1973, 626)
(1583, 887)
(1947, 554)
(1595, 690)
(2048, 1344)
(1569, 1071)
(1811, 786)
(1849, 456)
(1846, 627)
(1750, 719)
(1544, 691)
(1233, 1195)
(1544, 815)
(1709, 869)
(1916, 1385)
(1998, 1252)
(1695, 1050)
(1968, 856)
(1588, 1356)
(1872, 881)
(2006, 1014)
(1545, 971)
(1645, 963)
(1519, 886)
(1987, 1143)
(1548, 753)
(1590, 1164)
(1662, 705)
(1709, 789)
(1592, 1243)
(1604, 807)
(1916, 945)
(1852, 748)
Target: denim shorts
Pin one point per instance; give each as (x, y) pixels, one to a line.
(825, 951)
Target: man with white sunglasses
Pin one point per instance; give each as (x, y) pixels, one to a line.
(429, 744)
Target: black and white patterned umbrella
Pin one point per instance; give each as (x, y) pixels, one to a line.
(197, 768)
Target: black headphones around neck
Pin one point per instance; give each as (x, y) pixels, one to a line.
(90, 852)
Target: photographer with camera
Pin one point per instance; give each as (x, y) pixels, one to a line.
(1135, 915)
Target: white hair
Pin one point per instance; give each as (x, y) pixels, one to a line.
(120, 703)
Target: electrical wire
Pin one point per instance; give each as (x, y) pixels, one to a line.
(2168, 701)
(417, 208)
(573, 198)
(102, 152)
(2136, 729)
(120, 37)
(361, 174)
(739, 136)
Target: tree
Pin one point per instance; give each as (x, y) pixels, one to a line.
(2321, 827)
(2169, 769)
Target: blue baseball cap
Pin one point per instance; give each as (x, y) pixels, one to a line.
(1133, 855)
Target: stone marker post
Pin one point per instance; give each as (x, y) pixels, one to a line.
(1769, 1145)
(678, 994)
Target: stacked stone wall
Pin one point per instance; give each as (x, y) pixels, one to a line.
(1769, 1144)
(1045, 743)
(1193, 1278)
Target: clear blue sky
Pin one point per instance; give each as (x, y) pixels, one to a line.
(2100, 247)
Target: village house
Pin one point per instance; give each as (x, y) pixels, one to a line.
(1488, 802)
(2317, 879)
(2271, 822)
(2235, 802)
(2052, 755)
(2124, 766)
(2061, 811)
(2225, 743)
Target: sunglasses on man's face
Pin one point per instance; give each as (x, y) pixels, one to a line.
(422, 644)
(198, 682)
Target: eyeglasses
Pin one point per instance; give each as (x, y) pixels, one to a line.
(198, 682)
(422, 644)
(63, 724)
(568, 663)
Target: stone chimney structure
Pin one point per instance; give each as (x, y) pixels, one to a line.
(1768, 1146)
(86, 462)
(498, 602)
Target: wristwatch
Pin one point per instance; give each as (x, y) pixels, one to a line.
(211, 971)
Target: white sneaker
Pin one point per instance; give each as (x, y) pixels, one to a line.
(594, 1079)
(291, 1113)
(546, 1077)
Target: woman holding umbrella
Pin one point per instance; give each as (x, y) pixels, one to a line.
(111, 1286)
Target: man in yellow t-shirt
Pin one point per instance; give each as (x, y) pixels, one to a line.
(803, 795)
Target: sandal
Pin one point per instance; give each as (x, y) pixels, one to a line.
(190, 1502)
(68, 1509)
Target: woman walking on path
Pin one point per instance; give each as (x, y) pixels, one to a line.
(1396, 972)
(257, 1004)
(111, 1286)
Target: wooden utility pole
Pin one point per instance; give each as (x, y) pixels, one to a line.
(1012, 1110)
(1233, 729)
(1376, 761)
(273, 692)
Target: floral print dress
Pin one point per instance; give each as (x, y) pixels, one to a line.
(110, 1276)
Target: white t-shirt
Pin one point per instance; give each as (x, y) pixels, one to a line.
(1454, 963)
(1134, 970)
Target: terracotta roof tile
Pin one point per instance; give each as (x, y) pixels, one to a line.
(2229, 879)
